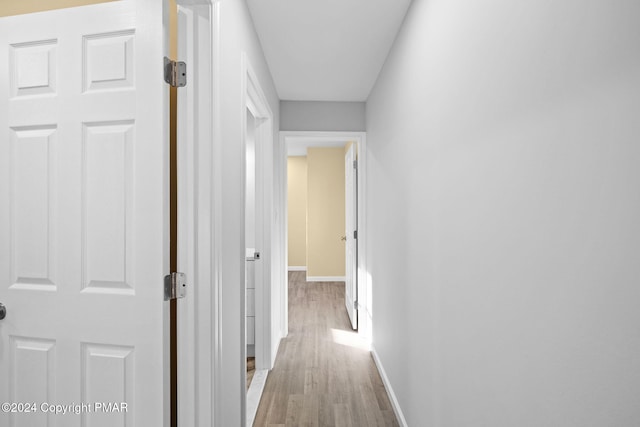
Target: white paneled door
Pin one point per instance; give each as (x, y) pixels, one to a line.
(351, 226)
(84, 216)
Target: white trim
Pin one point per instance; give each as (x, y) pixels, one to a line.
(387, 386)
(254, 394)
(215, 207)
(319, 138)
(187, 226)
(255, 101)
(297, 268)
(300, 147)
(325, 278)
(198, 219)
(283, 234)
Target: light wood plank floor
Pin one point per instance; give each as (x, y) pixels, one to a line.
(318, 378)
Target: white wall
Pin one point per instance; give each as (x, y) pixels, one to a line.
(237, 35)
(322, 116)
(504, 206)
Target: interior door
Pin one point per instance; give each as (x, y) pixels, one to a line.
(351, 226)
(84, 219)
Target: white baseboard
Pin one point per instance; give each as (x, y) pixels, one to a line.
(325, 279)
(387, 386)
(254, 394)
(297, 268)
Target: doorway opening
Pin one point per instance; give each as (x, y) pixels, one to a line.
(350, 161)
(258, 341)
(253, 231)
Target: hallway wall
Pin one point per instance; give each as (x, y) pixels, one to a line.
(503, 203)
(322, 116)
(316, 212)
(325, 213)
(297, 210)
(237, 35)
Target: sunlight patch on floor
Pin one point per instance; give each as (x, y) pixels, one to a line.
(350, 339)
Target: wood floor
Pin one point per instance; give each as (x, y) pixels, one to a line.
(322, 377)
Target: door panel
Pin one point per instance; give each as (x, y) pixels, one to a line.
(32, 196)
(351, 224)
(84, 214)
(33, 362)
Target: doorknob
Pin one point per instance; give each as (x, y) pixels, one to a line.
(343, 238)
(3, 311)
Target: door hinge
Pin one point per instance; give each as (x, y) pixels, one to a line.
(355, 304)
(175, 72)
(355, 234)
(355, 164)
(175, 286)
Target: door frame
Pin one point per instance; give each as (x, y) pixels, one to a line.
(202, 381)
(199, 215)
(351, 226)
(316, 138)
(255, 102)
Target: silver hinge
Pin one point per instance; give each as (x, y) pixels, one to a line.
(355, 164)
(175, 72)
(355, 304)
(175, 286)
(355, 234)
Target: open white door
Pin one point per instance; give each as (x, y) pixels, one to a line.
(351, 227)
(84, 215)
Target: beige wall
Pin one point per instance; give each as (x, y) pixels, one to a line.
(297, 210)
(325, 211)
(19, 7)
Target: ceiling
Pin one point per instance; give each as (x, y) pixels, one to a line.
(326, 50)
